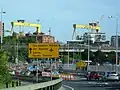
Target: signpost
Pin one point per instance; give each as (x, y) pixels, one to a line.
(43, 50)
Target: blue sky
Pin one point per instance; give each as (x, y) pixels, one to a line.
(60, 15)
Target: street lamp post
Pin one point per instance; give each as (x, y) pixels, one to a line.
(88, 48)
(2, 12)
(68, 54)
(37, 77)
(116, 18)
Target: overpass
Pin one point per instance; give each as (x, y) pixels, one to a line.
(70, 48)
(81, 48)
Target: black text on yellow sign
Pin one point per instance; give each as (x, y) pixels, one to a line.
(43, 50)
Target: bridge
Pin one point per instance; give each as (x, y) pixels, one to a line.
(81, 48)
(71, 48)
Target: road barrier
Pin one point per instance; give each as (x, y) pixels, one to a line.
(67, 76)
(50, 85)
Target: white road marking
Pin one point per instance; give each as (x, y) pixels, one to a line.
(68, 87)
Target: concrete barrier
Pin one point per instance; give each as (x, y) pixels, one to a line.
(50, 85)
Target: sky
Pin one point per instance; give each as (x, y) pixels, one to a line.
(60, 15)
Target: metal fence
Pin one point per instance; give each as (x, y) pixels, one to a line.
(104, 68)
(69, 66)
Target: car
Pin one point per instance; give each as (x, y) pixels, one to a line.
(110, 76)
(12, 72)
(93, 75)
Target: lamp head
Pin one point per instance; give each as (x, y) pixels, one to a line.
(110, 17)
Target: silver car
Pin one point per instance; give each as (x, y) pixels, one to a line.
(113, 77)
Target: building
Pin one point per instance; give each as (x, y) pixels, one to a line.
(113, 41)
(94, 37)
(42, 38)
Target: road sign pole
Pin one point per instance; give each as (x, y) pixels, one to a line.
(51, 69)
(55, 64)
(37, 78)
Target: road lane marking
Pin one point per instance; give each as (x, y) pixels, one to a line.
(68, 87)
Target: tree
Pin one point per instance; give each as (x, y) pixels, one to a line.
(4, 73)
(100, 56)
(85, 55)
(77, 56)
(111, 57)
(23, 54)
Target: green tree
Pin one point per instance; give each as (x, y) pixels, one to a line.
(23, 54)
(4, 72)
(85, 55)
(100, 56)
(111, 57)
(77, 56)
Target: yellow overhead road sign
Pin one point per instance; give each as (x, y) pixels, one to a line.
(80, 64)
(85, 26)
(43, 50)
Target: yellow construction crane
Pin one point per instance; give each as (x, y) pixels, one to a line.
(91, 26)
(27, 24)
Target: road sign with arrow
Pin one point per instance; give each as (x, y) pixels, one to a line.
(43, 50)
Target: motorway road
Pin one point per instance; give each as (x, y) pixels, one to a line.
(92, 85)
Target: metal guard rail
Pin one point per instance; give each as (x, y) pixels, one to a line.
(50, 85)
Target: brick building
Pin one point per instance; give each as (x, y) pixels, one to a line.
(42, 38)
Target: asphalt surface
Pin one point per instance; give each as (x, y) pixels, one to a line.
(80, 83)
(92, 85)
